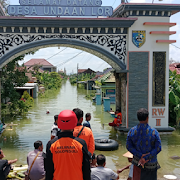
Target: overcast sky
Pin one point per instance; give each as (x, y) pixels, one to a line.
(86, 60)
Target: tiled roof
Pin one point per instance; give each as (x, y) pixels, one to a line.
(175, 66)
(95, 78)
(107, 70)
(37, 61)
(104, 77)
(111, 79)
(81, 70)
(31, 69)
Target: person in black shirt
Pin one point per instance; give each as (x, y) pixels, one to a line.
(4, 165)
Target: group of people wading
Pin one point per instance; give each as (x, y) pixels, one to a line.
(70, 152)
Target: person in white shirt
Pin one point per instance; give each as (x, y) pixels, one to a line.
(54, 129)
(102, 173)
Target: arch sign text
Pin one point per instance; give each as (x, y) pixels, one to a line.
(60, 8)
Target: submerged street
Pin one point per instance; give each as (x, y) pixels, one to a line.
(36, 125)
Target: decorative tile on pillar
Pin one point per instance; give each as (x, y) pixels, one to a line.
(159, 78)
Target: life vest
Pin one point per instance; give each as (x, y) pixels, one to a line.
(87, 135)
(118, 119)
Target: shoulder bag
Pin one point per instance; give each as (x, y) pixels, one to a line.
(27, 173)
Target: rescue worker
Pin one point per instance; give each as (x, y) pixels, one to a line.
(118, 119)
(84, 132)
(67, 156)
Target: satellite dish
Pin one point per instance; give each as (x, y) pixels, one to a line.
(170, 177)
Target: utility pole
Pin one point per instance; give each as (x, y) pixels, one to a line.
(122, 1)
(77, 75)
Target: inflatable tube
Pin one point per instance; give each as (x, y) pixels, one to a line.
(106, 144)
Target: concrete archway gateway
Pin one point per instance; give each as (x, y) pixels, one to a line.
(134, 40)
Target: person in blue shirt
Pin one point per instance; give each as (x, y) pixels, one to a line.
(144, 143)
(88, 118)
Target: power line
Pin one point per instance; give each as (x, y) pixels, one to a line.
(114, 3)
(70, 59)
(175, 46)
(50, 56)
(87, 61)
(56, 53)
(100, 65)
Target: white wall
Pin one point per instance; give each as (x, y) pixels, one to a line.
(150, 45)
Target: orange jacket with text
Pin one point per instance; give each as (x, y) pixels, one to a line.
(118, 119)
(87, 135)
(67, 158)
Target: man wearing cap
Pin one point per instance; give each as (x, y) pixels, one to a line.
(144, 143)
(84, 132)
(67, 156)
(130, 167)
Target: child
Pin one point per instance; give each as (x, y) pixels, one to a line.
(118, 119)
(130, 157)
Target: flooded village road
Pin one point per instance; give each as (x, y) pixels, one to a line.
(36, 125)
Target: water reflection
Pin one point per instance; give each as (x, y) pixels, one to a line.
(36, 125)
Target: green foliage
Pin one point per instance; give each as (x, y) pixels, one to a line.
(98, 83)
(25, 95)
(81, 77)
(90, 96)
(49, 80)
(13, 76)
(174, 100)
(64, 76)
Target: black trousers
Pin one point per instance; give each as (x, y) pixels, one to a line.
(148, 175)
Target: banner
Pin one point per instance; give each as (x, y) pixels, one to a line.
(60, 8)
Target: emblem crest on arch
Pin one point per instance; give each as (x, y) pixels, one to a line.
(138, 38)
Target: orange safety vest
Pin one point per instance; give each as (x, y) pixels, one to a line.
(118, 119)
(87, 135)
(67, 159)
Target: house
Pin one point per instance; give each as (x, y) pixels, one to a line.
(90, 84)
(31, 88)
(108, 86)
(175, 66)
(43, 63)
(86, 71)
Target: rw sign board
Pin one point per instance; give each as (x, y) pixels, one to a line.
(60, 8)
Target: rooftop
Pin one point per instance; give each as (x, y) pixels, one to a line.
(146, 8)
(42, 62)
(175, 66)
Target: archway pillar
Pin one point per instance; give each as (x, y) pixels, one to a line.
(123, 98)
(0, 95)
(121, 94)
(118, 90)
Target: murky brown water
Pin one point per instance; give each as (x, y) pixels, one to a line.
(36, 125)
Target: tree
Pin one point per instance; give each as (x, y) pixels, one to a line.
(4, 4)
(174, 100)
(13, 76)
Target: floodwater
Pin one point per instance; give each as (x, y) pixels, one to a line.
(36, 125)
